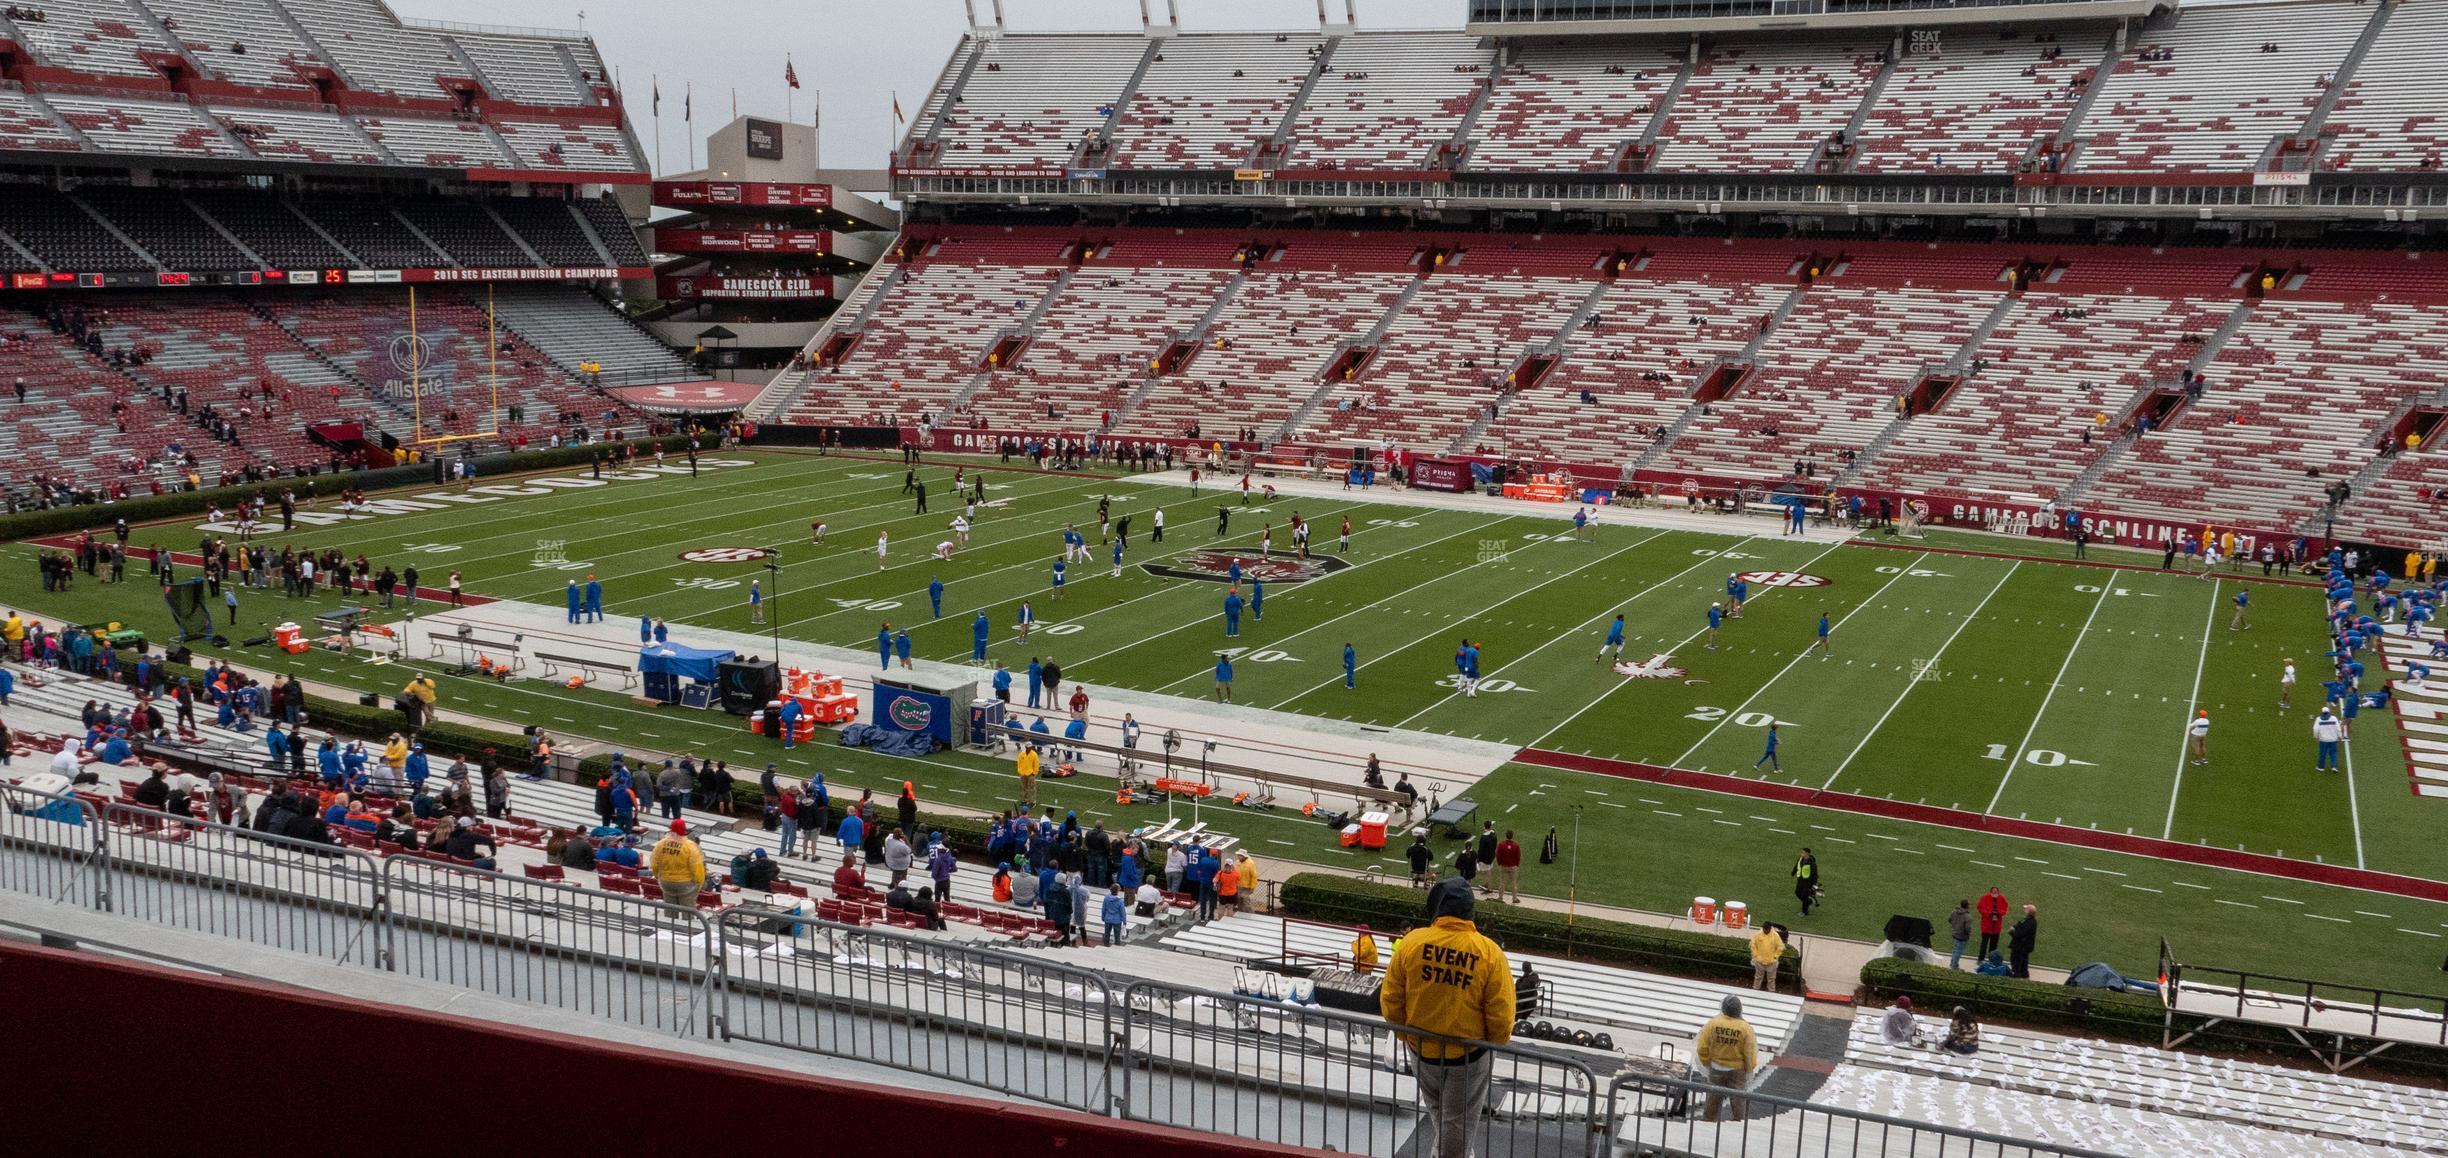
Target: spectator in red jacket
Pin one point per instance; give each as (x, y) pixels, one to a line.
(1508, 869)
(847, 880)
(1992, 919)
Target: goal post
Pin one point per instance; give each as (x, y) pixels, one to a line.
(418, 380)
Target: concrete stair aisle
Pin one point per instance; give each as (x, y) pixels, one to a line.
(2339, 81)
(1282, 137)
(2069, 134)
(1955, 365)
(979, 381)
(2115, 452)
(1326, 385)
(1869, 101)
(1747, 356)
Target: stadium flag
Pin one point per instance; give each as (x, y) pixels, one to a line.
(790, 74)
(897, 118)
(656, 101)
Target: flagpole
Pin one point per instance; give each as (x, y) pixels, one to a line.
(657, 84)
(688, 119)
(790, 102)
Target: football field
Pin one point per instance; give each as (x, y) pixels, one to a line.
(1962, 673)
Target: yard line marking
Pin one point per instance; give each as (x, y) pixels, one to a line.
(1882, 836)
(1957, 848)
(2418, 932)
(1612, 804)
(1285, 843)
(2109, 872)
(2189, 885)
(1841, 840)
(2280, 900)
(1663, 812)
(2141, 888)
(1823, 828)
(1764, 819)
(2354, 808)
(1785, 831)
(1442, 575)
(1683, 761)
(1660, 585)
(2237, 904)
(2183, 738)
(1697, 808)
(1908, 687)
(1912, 851)
(1449, 622)
(2031, 860)
(1988, 864)
(2326, 917)
(1595, 792)
(1728, 823)
(2059, 875)
(2369, 913)
(2028, 733)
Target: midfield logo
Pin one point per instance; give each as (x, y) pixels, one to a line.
(1653, 668)
(1216, 567)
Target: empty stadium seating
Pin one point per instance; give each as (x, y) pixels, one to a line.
(1660, 330)
(226, 355)
(569, 145)
(941, 322)
(438, 143)
(2220, 100)
(2089, 1074)
(25, 126)
(164, 225)
(465, 231)
(270, 228)
(1571, 106)
(2390, 116)
(2017, 427)
(243, 41)
(96, 36)
(57, 231)
(1765, 108)
(1096, 340)
(1268, 352)
(297, 135)
(1209, 101)
(549, 229)
(373, 234)
(1828, 377)
(1977, 109)
(613, 228)
(1029, 100)
(374, 51)
(1389, 101)
(2296, 402)
(1444, 360)
(119, 125)
(525, 69)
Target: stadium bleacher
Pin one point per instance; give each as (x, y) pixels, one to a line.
(1390, 101)
(242, 41)
(1027, 100)
(1571, 107)
(1765, 108)
(95, 36)
(2388, 117)
(1211, 100)
(2219, 97)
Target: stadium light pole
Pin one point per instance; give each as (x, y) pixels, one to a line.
(773, 571)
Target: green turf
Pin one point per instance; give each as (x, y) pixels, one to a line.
(1938, 688)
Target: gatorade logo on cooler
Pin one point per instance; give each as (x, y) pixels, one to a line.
(722, 555)
(909, 713)
(1781, 579)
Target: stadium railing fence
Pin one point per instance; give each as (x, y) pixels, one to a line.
(767, 972)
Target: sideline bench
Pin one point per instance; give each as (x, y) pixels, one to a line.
(586, 668)
(470, 645)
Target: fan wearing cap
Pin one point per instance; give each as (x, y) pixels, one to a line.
(678, 867)
(2200, 732)
(1450, 980)
(469, 843)
(1727, 1051)
(1898, 1028)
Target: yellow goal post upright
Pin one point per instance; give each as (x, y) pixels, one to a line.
(416, 378)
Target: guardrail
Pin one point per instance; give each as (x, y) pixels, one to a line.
(1014, 1022)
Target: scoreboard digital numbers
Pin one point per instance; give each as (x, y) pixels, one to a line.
(170, 278)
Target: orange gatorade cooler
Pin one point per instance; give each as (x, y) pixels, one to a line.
(290, 638)
(1704, 910)
(1373, 830)
(1737, 915)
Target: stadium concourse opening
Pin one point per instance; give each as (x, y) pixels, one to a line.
(1755, 516)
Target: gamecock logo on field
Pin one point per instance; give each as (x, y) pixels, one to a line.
(1781, 579)
(909, 714)
(1216, 567)
(722, 555)
(1653, 668)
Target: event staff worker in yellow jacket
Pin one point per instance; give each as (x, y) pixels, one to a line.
(1727, 1052)
(678, 867)
(1028, 774)
(1451, 980)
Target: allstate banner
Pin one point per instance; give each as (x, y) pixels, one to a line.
(904, 710)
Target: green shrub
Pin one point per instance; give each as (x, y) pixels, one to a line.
(2129, 1016)
(350, 719)
(2135, 1017)
(1344, 901)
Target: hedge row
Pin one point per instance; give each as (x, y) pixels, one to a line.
(966, 834)
(2134, 1017)
(145, 508)
(349, 718)
(1346, 901)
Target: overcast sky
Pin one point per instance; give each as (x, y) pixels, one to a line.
(854, 53)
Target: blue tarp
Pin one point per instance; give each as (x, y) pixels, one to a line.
(681, 660)
(886, 741)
